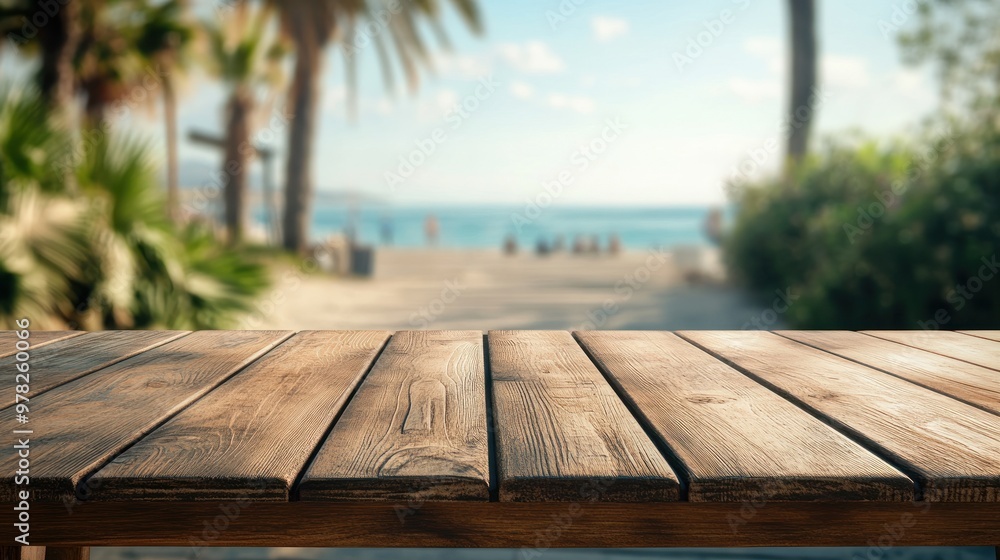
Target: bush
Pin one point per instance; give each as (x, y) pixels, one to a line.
(85, 241)
(880, 237)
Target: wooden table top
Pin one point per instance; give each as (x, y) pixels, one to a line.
(414, 417)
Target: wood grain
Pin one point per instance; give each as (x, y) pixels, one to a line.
(252, 436)
(415, 429)
(975, 350)
(950, 447)
(534, 526)
(562, 434)
(737, 439)
(68, 359)
(85, 422)
(37, 339)
(967, 382)
(989, 335)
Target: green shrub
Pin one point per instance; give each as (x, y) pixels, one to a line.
(879, 237)
(85, 241)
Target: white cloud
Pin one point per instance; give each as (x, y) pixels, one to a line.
(769, 49)
(533, 57)
(521, 90)
(465, 66)
(755, 91)
(578, 104)
(608, 28)
(840, 71)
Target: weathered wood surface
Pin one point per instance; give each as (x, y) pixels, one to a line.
(964, 381)
(737, 439)
(88, 421)
(415, 430)
(972, 349)
(561, 431)
(433, 438)
(67, 359)
(989, 335)
(949, 446)
(251, 437)
(37, 339)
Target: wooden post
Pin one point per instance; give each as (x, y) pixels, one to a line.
(22, 553)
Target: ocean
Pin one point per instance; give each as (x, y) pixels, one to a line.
(488, 226)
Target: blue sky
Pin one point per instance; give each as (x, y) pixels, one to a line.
(561, 80)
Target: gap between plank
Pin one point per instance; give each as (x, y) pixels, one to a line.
(293, 492)
(82, 483)
(105, 366)
(875, 336)
(491, 436)
(918, 384)
(852, 434)
(683, 476)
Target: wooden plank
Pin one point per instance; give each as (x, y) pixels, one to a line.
(252, 436)
(534, 526)
(989, 335)
(562, 434)
(84, 423)
(415, 430)
(72, 358)
(737, 439)
(967, 382)
(37, 339)
(950, 447)
(979, 351)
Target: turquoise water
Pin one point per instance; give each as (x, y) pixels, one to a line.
(487, 226)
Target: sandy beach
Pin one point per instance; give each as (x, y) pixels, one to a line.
(483, 289)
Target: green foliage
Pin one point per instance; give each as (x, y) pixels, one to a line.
(94, 249)
(880, 237)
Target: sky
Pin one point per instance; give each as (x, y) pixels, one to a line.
(588, 102)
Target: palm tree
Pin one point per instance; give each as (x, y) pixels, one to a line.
(803, 83)
(56, 42)
(164, 39)
(311, 25)
(246, 57)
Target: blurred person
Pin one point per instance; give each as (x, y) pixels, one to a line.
(614, 245)
(431, 230)
(713, 226)
(510, 245)
(542, 248)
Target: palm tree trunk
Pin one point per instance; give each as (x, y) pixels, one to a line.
(170, 116)
(234, 167)
(56, 76)
(802, 99)
(298, 182)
